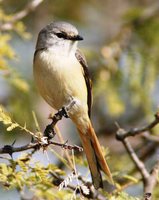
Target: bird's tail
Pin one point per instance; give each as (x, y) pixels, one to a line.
(94, 156)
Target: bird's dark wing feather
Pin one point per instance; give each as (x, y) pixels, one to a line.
(80, 57)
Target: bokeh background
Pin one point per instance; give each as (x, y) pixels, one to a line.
(121, 44)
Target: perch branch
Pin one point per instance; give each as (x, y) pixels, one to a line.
(52, 129)
(10, 149)
(45, 141)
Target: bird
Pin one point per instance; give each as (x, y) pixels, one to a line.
(61, 74)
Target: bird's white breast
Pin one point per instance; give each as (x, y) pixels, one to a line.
(59, 78)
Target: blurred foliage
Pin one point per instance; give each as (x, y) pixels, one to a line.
(126, 72)
(130, 70)
(18, 85)
(5, 50)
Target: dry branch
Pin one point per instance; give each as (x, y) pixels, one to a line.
(149, 179)
(135, 131)
(31, 6)
(10, 149)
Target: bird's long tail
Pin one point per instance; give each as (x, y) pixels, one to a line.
(94, 156)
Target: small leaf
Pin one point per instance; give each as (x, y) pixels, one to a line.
(4, 117)
(20, 84)
(12, 126)
(132, 178)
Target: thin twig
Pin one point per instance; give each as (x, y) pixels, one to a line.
(152, 180)
(136, 131)
(52, 129)
(153, 138)
(31, 6)
(66, 152)
(139, 164)
(93, 194)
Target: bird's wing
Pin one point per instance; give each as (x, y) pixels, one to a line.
(81, 58)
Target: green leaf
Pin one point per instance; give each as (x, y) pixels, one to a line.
(12, 126)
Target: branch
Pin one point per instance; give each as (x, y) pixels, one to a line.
(152, 180)
(66, 153)
(135, 131)
(92, 194)
(49, 130)
(148, 13)
(10, 149)
(31, 6)
(139, 164)
(153, 138)
(149, 179)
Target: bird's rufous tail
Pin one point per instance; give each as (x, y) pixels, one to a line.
(94, 156)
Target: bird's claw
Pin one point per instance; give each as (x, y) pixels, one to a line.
(64, 112)
(49, 132)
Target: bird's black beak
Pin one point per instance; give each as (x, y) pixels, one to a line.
(76, 38)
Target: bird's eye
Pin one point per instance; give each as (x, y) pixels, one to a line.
(61, 35)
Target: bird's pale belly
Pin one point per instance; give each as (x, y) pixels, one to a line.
(60, 80)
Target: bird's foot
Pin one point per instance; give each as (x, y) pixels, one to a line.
(63, 112)
(49, 132)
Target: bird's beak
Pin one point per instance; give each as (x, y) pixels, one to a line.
(76, 38)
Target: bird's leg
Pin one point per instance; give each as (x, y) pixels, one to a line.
(63, 112)
(49, 132)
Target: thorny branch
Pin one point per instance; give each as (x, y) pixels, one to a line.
(85, 188)
(10, 149)
(31, 6)
(48, 134)
(149, 178)
(43, 142)
(66, 153)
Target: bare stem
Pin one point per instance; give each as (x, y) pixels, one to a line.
(149, 179)
(10, 149)
(31, 6)
(136, 131)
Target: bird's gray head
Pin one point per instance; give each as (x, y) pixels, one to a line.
(57, 34)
